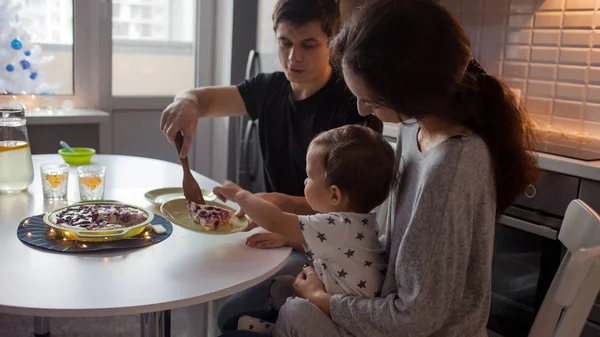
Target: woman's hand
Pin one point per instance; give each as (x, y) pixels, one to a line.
(309, 286)
(227, 191)
(267, 241)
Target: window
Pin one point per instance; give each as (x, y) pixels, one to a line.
(116, 11)
(146, 30)
(141, 11)
(120, 29)
(56, 36)
(147, 12)
(152, 57)
(156, 57)
(43, 65)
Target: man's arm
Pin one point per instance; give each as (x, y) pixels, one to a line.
(182, 115)
(214, 101)
(290, 204)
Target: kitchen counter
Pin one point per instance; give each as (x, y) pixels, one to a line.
(578, 168)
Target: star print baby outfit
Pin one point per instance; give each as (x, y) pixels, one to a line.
(346, 253)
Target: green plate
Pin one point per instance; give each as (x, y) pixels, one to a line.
(162, 195)
(176, 211)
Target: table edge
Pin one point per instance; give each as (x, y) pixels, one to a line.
(133, 310)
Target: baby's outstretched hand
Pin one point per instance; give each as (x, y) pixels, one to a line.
(227, 191)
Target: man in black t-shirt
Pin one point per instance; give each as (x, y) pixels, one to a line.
(292, 107)
(286, 126)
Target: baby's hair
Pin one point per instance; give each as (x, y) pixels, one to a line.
(360, 162)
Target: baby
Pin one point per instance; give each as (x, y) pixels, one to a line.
(350, 171)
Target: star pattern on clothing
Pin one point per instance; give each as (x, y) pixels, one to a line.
(251, 327)
(301, 226)
(368, 263)
(365, 221)
(331, 221)
(321, 236)
(349, 253)
(360, 236)
(362, 284)
(346, 220)
(324, 266)
(378, 294)
(342, 273)
(309, 254)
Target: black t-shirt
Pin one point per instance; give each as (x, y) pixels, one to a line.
(286, 127)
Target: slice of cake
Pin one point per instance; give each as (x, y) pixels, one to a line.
(209, 218)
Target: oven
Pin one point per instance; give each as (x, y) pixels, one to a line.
(527, 253)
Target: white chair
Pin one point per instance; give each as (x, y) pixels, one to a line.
(574, 288)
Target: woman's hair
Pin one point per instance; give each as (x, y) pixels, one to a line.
(414, 57)
(360, 162)
(301, 12)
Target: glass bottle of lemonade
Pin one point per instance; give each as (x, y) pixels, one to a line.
(16, 166)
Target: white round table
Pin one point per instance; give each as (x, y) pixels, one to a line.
(187, 268)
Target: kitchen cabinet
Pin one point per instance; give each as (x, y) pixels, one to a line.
(590, 330)
(563, 188)
(590, 193)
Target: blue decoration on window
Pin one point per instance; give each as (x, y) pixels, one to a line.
(28, 53)
(16, 44)
(10, 68)
(25, 64)
(33, 75)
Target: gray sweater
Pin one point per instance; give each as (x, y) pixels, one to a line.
(439, 244)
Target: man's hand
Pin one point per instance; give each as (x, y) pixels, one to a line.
(267, 241)
(181, 115)
(277, 199)
(227, 191)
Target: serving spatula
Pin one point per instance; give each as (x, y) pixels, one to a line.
(191, 189)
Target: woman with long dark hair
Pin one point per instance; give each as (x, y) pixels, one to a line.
(463, 157)
(463, 146)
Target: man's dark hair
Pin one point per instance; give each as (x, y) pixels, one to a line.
(301, 12)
